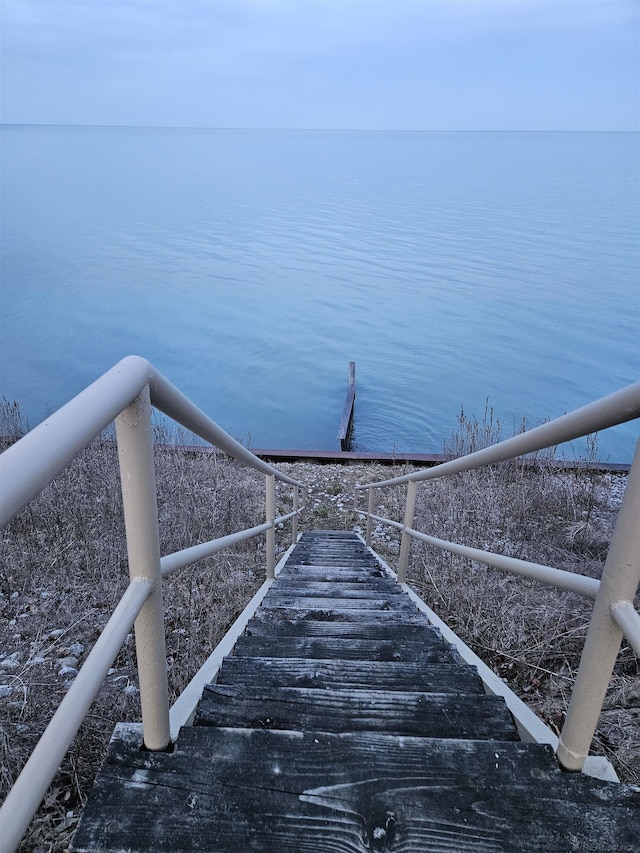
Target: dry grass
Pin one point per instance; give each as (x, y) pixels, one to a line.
(63, 567)
(531, 635)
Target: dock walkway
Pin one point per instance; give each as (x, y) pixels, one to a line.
(342, 722)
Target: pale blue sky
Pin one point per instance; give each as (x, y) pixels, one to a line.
(354, 64)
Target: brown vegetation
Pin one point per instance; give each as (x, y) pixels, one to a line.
(63, 567)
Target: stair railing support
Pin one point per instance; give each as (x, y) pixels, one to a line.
(370, 508)
(620, 580)
(270, 503)
(405, 542)
(294, 522)
(134, 435)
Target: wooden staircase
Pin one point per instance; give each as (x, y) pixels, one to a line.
(341, 723)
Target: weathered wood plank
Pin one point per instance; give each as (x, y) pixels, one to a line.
(350, 555)
(383, 602)
(346, 421)
(331, 541)
(309, 661)
(351, 547)
(327, 648)
(313, 561)
(310, 579)
(306, 557)
(344, 614)
(392, 712)
(361, 629)
(351, 550)
(333, 591)
(360, 675)
(359, 569)
(227, 790)
(330, 574)
(333, 538)
(345, 589)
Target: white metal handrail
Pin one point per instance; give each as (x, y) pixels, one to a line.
(569, 581)
(614, 409)
(628, 619)
(614, 615)
(180, 559)
(31, 463)
(31, 785)
(125, 393)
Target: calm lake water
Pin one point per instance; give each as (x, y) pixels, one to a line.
(251, 266)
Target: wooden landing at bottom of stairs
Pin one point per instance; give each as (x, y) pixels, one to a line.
(343, 722)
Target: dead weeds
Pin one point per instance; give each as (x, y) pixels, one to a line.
(63, 567)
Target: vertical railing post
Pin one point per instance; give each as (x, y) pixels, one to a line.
(137, 474)
(619, 582)
(294, 522)
(370, 508)
(270, 502)
(405, 543)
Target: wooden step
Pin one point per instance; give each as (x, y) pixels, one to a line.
(326, 561)
(379, 602)
(361, 675)
(355, 629)
(338, 533)
(343, 614)
(437, 715)
(228, 790)
(355, 548)
(344, 566)
(331, 574)
(330, 589)
(342, 722)
(351, 552)
(339, 648)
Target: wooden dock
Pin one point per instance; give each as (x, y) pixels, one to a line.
(343, 722)
(345, 430)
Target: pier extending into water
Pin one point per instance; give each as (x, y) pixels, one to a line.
(345, 430)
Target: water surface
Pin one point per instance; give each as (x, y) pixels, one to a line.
(251, 266)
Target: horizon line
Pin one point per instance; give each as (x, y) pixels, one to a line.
(315, 129)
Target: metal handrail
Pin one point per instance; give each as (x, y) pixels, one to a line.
(125, 394)
(614, 615)
(31, 785)
(31, 463)
(171, 563)
(560, 579)
(628, 619)
(614, 409)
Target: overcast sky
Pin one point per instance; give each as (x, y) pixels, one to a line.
(359, 64)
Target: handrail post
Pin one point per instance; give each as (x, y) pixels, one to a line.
(270, 503)
(405, 543)
(620, 579)
(294, 522)
(370, 509)
(135, 453)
